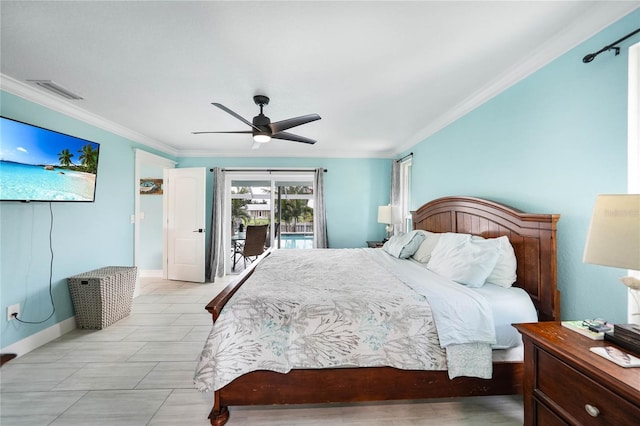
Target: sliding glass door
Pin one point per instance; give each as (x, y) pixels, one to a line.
(294, 214)
(284, 201)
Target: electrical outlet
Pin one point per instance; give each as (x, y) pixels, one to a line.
(13, 309)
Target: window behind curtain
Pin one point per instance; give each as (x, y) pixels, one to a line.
(405, 194)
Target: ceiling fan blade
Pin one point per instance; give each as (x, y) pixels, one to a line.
(232, 131)
(238, 116)
(291, 137)
(279, 126)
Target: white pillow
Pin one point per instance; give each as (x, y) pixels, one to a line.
(404, 245)
(463, 259)
(423, 254)
(504, 273)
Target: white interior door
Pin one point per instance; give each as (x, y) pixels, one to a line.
(185, 224)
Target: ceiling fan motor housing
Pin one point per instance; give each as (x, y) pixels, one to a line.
(262, 122)
(261, 100)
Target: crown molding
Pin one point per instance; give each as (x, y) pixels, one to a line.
(40, 97)
(280, 154)
(599, 17)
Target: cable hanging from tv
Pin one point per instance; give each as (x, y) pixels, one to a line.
(591, 56)
(53, 305)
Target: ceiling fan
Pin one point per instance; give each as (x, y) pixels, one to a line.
(263, 130)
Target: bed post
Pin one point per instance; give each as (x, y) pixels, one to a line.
(219, 414)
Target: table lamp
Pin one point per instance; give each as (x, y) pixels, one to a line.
(614, 235)
(389, 216)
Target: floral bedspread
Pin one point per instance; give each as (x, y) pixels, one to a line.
(326, 308)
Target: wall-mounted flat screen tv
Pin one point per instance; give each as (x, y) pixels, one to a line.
(38, 164)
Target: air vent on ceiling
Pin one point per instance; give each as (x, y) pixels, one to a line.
(57, 89)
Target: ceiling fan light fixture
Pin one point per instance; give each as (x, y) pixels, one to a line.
(261, 138)
(263, 130)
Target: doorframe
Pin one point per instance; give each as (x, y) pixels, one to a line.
(145, 158)
(633, 157)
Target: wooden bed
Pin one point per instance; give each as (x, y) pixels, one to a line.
(533, 237)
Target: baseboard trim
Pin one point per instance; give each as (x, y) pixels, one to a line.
(38, 339)
(151, 273)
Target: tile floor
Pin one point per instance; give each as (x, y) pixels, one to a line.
(139, 371)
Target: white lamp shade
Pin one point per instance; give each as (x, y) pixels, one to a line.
(614, 233)
(388, 214)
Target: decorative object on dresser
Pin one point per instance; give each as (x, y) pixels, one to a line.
(614, 354)
(389, 216)
(614, 236)
(565, 383)
(583, 328)
(626, 335)
(375, 244)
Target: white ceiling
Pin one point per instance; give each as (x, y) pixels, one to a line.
(383, 75)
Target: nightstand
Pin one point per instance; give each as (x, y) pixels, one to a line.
(566, 384)
(375, 244)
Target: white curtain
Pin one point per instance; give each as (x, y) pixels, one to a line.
(396, 195)
(321, 239)
(218, 254)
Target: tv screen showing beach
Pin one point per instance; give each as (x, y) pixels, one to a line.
(37, 164)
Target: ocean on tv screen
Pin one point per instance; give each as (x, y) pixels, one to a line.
(44, 183)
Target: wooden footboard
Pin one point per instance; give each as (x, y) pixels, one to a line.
(217, 303)
(358, 385)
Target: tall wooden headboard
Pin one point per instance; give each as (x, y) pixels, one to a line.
(533, 237)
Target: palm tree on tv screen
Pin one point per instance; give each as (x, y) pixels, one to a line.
(89, 158)
(65, 157)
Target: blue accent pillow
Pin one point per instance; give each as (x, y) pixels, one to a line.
(403, 246)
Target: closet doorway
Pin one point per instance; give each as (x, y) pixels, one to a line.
(149, 211)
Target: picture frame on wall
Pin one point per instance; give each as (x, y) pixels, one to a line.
(150, 186)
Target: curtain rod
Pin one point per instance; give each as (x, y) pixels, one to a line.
(400, 160)
(591, 56)
(270, 170)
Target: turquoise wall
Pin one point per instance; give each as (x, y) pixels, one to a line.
(548, 144)
(85, 236)
(151, 229)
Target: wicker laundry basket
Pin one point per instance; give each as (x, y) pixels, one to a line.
(102, 296)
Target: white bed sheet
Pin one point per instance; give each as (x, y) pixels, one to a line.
(508, 305)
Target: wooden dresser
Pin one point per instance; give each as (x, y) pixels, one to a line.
(566, 384)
